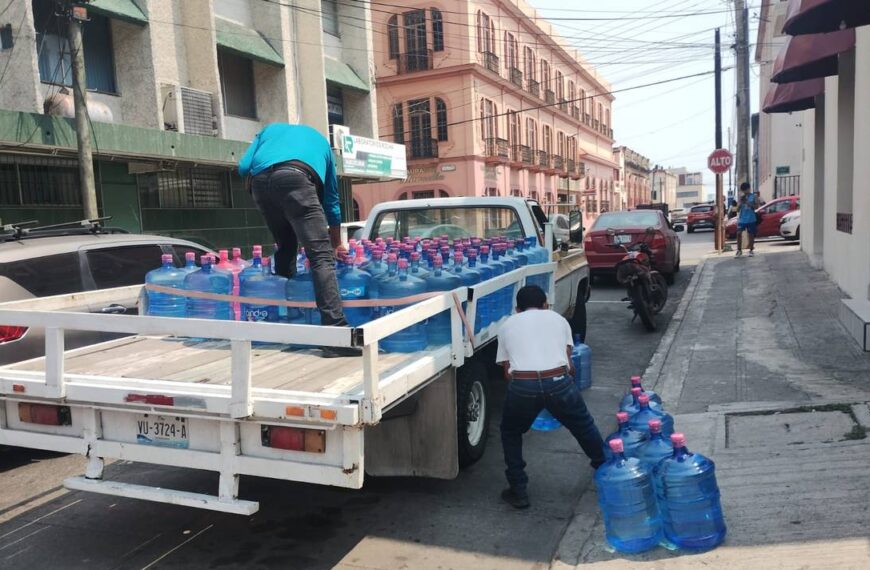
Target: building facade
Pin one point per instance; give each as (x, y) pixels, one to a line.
(489, 101)
(778, 138)
(176, 91)
(663, 187)
(690, 187)
(632, 178)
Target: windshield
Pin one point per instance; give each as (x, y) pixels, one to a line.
(621, 220)
(459, 222)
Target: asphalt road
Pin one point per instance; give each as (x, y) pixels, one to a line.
(391, 523)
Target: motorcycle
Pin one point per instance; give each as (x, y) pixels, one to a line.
(647, 289)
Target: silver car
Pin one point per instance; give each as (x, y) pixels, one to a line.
(42, 266)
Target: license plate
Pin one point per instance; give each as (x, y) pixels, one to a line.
(622, 238)
(162, 431)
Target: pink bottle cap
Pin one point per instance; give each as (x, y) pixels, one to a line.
(190, 256)
(166, 258)
(622, 417)
(636, 391)
(484, 249)
(265, 261)
(635, 380)
(392, 258)
(237, 252)
(224, 254)
(437, 261)
(655, 426)
(257, 250)
(403, 263)
(643, 399)
(206, 259)
(457, 257)
(616, 445)
(415, 256)
(678, 439)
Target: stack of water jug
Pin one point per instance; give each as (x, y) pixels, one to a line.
(652, 490)
(379, 269)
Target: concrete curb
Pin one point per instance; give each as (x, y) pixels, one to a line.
(652, 374)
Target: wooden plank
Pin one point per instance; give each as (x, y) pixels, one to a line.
(38, 363)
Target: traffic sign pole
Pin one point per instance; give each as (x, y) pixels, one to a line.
(719, 228)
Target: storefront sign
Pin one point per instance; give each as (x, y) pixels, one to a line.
(372, 158)
(424, 174)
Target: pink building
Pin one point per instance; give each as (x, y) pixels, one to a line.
(489, 101)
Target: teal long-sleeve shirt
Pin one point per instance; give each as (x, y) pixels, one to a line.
(280, 142)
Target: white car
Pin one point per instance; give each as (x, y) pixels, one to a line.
(679, 215)
(790, 226)
(561, 228)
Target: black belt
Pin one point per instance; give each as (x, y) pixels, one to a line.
(298, 166)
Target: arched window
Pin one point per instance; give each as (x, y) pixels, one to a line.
(403, 196)
(443, 194)
(545, 75)
(437, 29)
(393, 36)
(530, 63)
(441, 118)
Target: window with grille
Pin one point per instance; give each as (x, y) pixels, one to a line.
(530, 63)
(441, 118)
(398, 124)
(186, 188)
(393, 36)
(329, 16)
(437, 29)
(39, 181)
(547, 133)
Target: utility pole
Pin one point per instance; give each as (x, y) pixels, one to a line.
(720, 219)
(78, 14)
(741, 15)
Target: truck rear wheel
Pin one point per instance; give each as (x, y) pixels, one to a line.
(472, 411)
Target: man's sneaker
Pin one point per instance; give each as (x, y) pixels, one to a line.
(340, 351)
(514, 499)
(751, 253)
(738, 254)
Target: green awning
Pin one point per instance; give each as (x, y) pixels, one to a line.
(340, 73)
(245, 42)
(126, 10)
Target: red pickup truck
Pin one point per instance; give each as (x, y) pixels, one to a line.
(701, 217)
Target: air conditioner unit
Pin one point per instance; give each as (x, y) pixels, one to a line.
(198, 110)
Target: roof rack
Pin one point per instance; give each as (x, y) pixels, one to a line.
(23, 230)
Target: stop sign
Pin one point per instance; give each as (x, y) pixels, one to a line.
(720, 161)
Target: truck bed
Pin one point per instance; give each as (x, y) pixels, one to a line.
(273, 366)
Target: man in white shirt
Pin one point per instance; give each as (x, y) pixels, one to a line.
(534, 347)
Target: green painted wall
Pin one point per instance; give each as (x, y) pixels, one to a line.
(119, 196)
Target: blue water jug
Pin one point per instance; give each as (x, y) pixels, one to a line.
(438, 327)
(636, 383)
(354, 284)
(505, 294)
(255, 269)
(417, 270)
(167, 275)
(628, 503)
(640, 420)
(207, 280)
(413, 338)
(496, 298)
(632, 439)
(518, 252)
(545, 422)
(263, 285)
(484, 304)
(657, 447)
(634, 406)
(688, 498)
(581, 357)
(376, 265)
(301, 288)
(301, 260)
(190, 262)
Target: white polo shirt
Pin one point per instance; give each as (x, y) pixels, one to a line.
(534, 340)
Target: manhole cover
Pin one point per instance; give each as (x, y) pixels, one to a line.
(784, 428)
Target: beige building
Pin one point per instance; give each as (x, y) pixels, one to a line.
(690, 187)
(632, 178)
(663, 187)
(176, 91)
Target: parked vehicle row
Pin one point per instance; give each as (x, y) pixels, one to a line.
(771, 214)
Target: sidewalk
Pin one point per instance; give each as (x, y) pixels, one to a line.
(761, 376)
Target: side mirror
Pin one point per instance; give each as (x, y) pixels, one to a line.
(650, 231)
(679, 228)
(575, 227)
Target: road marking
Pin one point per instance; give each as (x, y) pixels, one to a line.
(146, 567)
(39, 519)
(25, 537)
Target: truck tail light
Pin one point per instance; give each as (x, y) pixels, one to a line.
(658, 241)
(293, 439)
(10, 333)
(44, 414)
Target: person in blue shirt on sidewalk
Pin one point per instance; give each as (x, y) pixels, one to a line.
(290, 172)
(747, 220)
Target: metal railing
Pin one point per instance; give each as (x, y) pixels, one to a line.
(490, 61)
(534, 87)
(587, 119)
(563, 105)
(422, 148)
(517, 77)
(558, 163)
(550, 96)
(497, 148)
(522, 154)
(575, 112)
(415, 61)
(543, 159)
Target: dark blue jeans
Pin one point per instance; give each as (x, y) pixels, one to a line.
(525, 400)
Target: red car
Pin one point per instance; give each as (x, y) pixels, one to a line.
(630, 228)
(703, 216)
(771, 214)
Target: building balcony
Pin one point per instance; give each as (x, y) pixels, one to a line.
(533, 87)
(421, 148)
(416, 61)
(575, 171)
(595, 124)
(575, 112)
(521, 155)
(563, 105)
(497, 150)
(587, 119)
(490, 61)
(550, 96)
(542, 160)
(559, 165)
(517, 77)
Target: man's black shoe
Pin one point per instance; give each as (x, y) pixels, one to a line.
(340, 351)
(514, 499)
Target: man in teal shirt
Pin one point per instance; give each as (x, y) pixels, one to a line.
(747, 221)
(292, 180)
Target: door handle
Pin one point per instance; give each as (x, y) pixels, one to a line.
(114, 309)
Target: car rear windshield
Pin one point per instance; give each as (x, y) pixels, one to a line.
(622, 220)
(459, 222)
(701, 209)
